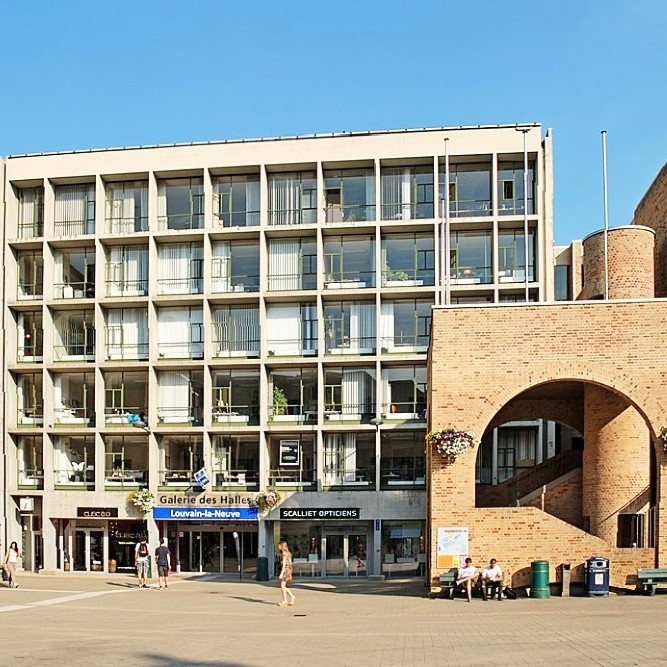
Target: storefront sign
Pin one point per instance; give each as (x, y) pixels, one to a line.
(205, 513)
(320, 513)
(289, 453)
(97, 512)
(26, 505)
(206, 499)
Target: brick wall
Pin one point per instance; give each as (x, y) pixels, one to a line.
(561, 498)
(652, 212)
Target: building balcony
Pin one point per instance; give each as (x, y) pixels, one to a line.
(181, 350)
(179, 416)
(302, 480)
(351, 213)
(125, 478)
(235, 415)
(126, 288)
(128, 225)
(72, 417)
(356, 478)
(31, 230)
(344, 344)
(30, 417)
(403, 343)
(30, 478)
(77, 476)
(128, 351)
(184, 221)
(236, 479)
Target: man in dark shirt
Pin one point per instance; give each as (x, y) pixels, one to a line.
(163, 559)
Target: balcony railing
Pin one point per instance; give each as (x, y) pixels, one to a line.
(353, 478)
(67, 417)
(30, 291)
(128, 351)
(30, 416)
(181, 221)
(181, 350)
(236, 479)
(174, 477)
(30, 478)
(74, 290)
(349, 279)
(125, 477)
(183, 416)
(420, 210)
(290, 282)
(293, 216)
(118, 416)
(74, 227)
(184, 285)
(127, 287)
(346, 345)
(236, 218)
(405, 475)
(235, 283)
(233, 348)
(31, 352)
(402, 410)
(128, 225)
(352, 213)
(236, 415)
(467, 208)
(349, 412)
(471, 275)
(293, 413)
(31, 230)
(402, 278)
(304, 479)
(405, 343)
(285, 347)
(515, 275)
(78, 475)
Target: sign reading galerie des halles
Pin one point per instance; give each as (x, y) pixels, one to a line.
(205, 499)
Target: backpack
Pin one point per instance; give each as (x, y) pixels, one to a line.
(143, 550)
(510, 593)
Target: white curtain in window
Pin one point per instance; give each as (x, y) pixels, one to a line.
(173, 326)
(362, 327)
(387, 325)
(285, 199)
(285, 265)
(220, 278)
(340, 458)
(174, 268)
(354, 389)
(252, 203)
(173, 397)
(136, 271)
(27, 209)
(236, 330)
(127, 333)
(71, 209)
(284, 324)
(162, 201)
(396, 195)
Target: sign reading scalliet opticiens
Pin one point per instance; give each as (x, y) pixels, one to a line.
(319, 513)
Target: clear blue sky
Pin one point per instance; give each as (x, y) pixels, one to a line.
(88, 74)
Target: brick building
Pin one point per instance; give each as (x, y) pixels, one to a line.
(593, 365)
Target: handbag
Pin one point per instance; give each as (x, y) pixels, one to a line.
(5, 574)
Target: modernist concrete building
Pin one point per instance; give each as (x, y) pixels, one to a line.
(594, 364)
(263, 308)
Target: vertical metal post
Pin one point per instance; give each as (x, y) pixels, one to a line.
(606, 214)
(525, 209)
(446, 258)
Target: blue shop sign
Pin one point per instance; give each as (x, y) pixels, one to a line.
(205, 513)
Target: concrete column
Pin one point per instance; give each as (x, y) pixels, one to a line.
(616, 463)
(661, 509)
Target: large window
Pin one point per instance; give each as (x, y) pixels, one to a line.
(349, 195)
(30, 400)
(403, 548)
(349, 262)
(127, 333)
(236, 461)
(181, 203)
(127, 207)
(74, 338)
(292, 461)
(349, 460)
(236, 200)
(74, 461)
(180, 333)
(293, 395)
(408, 260)
(75, 274)
(125, 393)
(235, 331)
(236, 397)
(469, 189)
(292, 264)
(512, 256)
(180, 397)
(470, 258)
(235, 266)
(125, 461)
(349, 393)
(511, 188)
(30, 275)
(74, 399)
(407, 193)
(402, 459)
(74, 210)
(127, 271)
(31, 213)
(404, 392)
(180, 457)
(30, 462)
(349, 327)
(293, 198)
(406, 325)
(292, 329)
(30, 336)
(180, 268)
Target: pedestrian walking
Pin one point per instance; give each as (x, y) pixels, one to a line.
(163, 560)
(141, 562)
(10, 562)
(286, 575)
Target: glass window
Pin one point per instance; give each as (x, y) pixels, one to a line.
(292, 461)
(236, 200)
(562, 282)
(235, 331)
(127, 207)
(74, 274)
(405, 392)
(349, 460)
(125, 461)
(31, 213)
(294, 394)
(181, 203)
(512, 256)
(402, 459)
(349, 327)
(293, 329)
(292, 264)
(180, 268)
(305, 543)
(349, 393)
(74, 338)
(511, 188)
(469, 189)
(74, 399)
(349, 195)
(236, 397)
(74, 461)
(127, 271)
(125, 393)
(30, 400)
(180, 457)
(403, 548)
(349, 262)
(406, 325)
(293, 198)
(235, 266)
(407, 193)
(180, 397)
(470, 259)
(30, 462)
(180, 333)
(30, 336)
(236, 461)
(74, 210)
(31, 275)
(408, 260)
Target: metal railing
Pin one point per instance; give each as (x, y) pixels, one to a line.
(289, 282)
(400, 277)
(74, 290)
(181, 221)
(128, 225)
(125, 477)
(404, 410)
(31, 230)
(181, 350)
(30, 291)
(471, 275)
(128, 351)
(245, 478)
(402, 342)
(398, 211)
(233, 348)
(235, 283)
(411, 473)
(346, 345)
(467, 208)
(292, 478)
(183, 416)
(79, 343)
(118, 416)
(176, 477)
(237, 218)
(355, 478)
(349, 279)
(292, 216)
(30, 416)
(73, 417)
(355, 412)
(74, 227)
(127, 287)
(185, 285)
(78, 476)
(278, 347)
(238, 415)
(32, 478)
(300, 414)
(352, 213)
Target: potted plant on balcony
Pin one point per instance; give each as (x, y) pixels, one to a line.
(280, 402)
(399, 278)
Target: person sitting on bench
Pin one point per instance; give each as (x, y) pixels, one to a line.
(466, 577)
(492, 577)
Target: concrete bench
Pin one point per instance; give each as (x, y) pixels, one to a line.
(649, 579)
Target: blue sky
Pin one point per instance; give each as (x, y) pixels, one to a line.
(87, 74)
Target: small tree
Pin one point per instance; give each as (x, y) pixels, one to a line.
(279, 401)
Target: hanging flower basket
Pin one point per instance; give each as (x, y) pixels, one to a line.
(143, 500)
(266, 501)
(450, 442)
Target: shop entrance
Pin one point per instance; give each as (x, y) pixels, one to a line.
(88, 550)
(218, 551)
(345, 555)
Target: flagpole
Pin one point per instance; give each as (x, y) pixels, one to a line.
(606, 214)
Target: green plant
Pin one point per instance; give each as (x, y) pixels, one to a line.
(279, 401)
(143, 500)
(397, 274)
(266, 500)
(450, 442)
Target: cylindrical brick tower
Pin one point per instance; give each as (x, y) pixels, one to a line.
(616, 467)
(631, 264)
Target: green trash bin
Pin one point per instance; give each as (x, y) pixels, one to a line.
(262, 568)
(150, 567)
(539, 588)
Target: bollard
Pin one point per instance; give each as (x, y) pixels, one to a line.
(262, 568)
(565, 576)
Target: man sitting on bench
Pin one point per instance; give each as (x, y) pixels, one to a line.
(466, 577)
(492, 577)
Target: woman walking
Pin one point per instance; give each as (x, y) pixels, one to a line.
(11, 559)
(285, 575)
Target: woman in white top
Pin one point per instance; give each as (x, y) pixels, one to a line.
(11, 560)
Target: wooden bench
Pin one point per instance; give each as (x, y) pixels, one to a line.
(448, 583)
(649, 579)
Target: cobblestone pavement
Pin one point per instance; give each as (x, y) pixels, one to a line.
(102, 620)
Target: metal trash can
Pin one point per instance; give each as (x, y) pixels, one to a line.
(597, 576)
(539, 588)
(262, 568)
(564, 575)
(150, 567)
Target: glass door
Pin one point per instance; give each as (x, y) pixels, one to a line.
(210, 551)
(336, 556)
(356, 549)
(88, 550)
(346, 555)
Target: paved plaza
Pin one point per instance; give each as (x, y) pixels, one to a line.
(104, 620)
